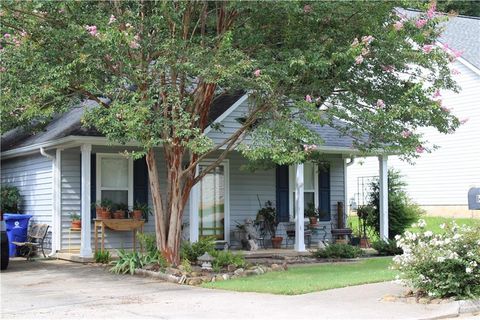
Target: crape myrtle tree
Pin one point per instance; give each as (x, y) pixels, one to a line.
(154, 68)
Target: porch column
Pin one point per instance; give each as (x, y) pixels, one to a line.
(57, 202)
(86, 233)
(194, 201)
(299, 210)
(383, 197)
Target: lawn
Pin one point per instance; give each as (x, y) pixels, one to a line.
(304, 279)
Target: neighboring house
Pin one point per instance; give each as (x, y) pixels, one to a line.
(66, 167)
(439, 181)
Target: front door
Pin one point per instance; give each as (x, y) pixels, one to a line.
(213, 203)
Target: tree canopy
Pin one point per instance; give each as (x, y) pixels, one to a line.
(154, 68)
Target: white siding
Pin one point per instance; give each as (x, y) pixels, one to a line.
(32, 175)
(443, 177)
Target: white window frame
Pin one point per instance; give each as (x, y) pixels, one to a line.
(195, 202)
(292, 188)
(99, 157)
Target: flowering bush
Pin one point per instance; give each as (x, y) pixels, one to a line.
(441, 265)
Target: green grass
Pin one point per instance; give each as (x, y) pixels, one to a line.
(433, 224)
(304, 279)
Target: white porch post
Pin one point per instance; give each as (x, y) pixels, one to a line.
(57, 202)
(383, 197)
(299, 210)
(86, 234)
(194, 201)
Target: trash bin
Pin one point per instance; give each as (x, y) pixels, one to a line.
(17, 228)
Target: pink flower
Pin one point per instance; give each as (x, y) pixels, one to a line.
(365, 51)
(367, 39)
(61, 10)
(398, 25)
(437, 94)
(420, 149)
(308, 98)
(23, 33)
(359, 59)
(431, 11)
(7, 35)
(3, 69)
(134, 43)
(355, 42)
(307, 8)
(456, 53)
(455, 71)
(380, 103)
(406, 133)
(388, 68)
(257, 73)
(112, 19)
(420, 23)
(463, 121)
(445, 109)
(427, 48)
(92, 30)
(309, 147)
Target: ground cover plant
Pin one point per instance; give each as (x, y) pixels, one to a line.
(444, 264)
(338, 251)
(311, 278)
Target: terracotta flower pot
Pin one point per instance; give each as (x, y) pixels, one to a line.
(277, 242)
(364, 243)
(137, 214)
(119, 214)
(104, 214)
(76, 224)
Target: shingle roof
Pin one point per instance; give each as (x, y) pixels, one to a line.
(461, 33)
(69, 124)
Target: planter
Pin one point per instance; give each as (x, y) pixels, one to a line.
(103, 214)
(355, 241)
(76, 224)
(277, 242)
(364, 243)
(313, 220)
(119, 214)
(137, 214)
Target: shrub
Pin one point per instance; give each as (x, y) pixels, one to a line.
(387, 248)
(224, 258)
(102, 257)
(402, 211)
(191, 252)
(10, 199)
(441, 265)
(338, 251)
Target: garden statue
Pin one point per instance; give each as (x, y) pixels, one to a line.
(251, 236)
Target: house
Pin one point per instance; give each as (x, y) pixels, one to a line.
(439, 181)
(66, 167)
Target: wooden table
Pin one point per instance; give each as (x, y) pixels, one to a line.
(117, 225)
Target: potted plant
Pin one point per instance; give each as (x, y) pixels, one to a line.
(267, 215)
(10, 200)
(76, 220)
(103, 209)
(140, 211)
(312, 214)
(363, 212)
(119, 211)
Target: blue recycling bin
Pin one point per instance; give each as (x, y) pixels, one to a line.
(17, 228)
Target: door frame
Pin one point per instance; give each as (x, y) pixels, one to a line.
(195, 202)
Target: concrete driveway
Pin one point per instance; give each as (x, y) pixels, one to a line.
(54, 289)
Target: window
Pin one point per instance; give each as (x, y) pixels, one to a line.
(310, 185)
(115, 178)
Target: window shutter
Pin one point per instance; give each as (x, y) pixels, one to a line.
(282, 194)
(93, 184)
(140, 181)
(324, 192)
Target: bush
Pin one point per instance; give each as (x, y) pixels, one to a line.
(224, 258)
(402, 211)
(191, 252)
(338, 251)
(441, 265)
(10, 199)
(102, 257)
(387, 248)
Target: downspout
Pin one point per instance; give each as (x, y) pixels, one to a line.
(54, 206)
(345, 178)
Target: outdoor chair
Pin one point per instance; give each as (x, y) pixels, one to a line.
(35, 239)
(290, 231)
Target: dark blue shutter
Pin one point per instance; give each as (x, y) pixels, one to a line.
(282, 194)
(140, 181)
(324, 192)
(93, 184)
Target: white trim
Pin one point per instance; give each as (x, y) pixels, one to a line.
(299, 209)
(194, 201)
(98, 173)
(86, 233)
(57, 203)
(383, 162)
(227, 112)
(195, 205)
(462, 61)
